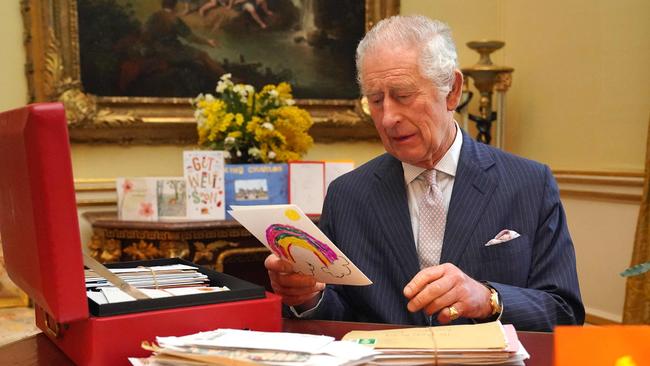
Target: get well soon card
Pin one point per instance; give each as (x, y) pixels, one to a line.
(292, 236)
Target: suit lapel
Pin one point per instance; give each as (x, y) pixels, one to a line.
(473, 188)
(390, 206)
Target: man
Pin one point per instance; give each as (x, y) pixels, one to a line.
(391, 222)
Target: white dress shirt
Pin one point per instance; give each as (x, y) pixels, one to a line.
(446, 173)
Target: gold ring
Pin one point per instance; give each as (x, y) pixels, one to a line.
(453, 313)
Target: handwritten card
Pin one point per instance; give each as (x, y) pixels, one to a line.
(205, 184)
(307, 185)
(292, 236)
(136, 199)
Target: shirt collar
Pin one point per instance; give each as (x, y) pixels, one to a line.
(448, 164)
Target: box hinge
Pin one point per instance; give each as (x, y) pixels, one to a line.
(53, 328)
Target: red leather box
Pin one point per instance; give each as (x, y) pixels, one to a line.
(43, 255)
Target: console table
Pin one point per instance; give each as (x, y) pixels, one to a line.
(222, 245)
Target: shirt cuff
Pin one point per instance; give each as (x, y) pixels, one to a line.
(306, 313)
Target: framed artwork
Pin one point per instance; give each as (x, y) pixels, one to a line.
(127, 69)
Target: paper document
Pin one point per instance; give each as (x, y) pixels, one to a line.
(471, 344)
(292, 236)
(243, 348)
(487, 336)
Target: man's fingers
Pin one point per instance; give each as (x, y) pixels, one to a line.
(432, 296)
(276, 264)
(291, 289)
(422, 279)
(441, 302)
(450, 313)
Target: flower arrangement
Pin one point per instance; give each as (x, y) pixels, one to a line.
(252, 127)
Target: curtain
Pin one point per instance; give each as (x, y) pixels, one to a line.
(637, 289)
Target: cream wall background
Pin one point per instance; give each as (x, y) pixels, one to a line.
(580, 101)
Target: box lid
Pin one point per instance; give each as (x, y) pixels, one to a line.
(38, 214)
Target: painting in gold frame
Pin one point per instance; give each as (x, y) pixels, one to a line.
(54, 73)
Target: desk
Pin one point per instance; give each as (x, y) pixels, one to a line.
(37, 350)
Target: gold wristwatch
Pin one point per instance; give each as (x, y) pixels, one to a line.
(495, 302)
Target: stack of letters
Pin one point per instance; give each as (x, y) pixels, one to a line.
(241, 348)
(155, 282)
(476, 344)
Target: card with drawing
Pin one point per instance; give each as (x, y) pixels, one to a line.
(136, 199)
(291, 235)
(204, 184)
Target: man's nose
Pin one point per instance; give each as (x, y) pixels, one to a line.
(391, 114)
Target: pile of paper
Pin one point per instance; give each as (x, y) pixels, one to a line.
(170, 276)
(476, 344)
(155, 282)
(241, 347)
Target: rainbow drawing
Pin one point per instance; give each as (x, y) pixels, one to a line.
(282, 237)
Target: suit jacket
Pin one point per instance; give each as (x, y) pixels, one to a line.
(366, 215)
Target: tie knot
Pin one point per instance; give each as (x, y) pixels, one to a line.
(429, 176)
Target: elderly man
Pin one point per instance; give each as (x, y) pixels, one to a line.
(448, 229)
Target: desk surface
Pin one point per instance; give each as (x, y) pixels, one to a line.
(37, 350)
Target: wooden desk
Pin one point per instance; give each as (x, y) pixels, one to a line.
(37, 350)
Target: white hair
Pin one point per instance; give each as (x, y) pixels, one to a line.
(437, 58)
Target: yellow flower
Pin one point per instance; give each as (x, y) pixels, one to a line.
(266, 123)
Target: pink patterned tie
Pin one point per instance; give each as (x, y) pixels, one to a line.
(432, 221)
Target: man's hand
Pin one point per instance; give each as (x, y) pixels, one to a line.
(436, 288)
(294, 288)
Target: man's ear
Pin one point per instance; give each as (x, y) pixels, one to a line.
(453, 98)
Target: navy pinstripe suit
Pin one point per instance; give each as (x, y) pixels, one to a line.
(366, 215)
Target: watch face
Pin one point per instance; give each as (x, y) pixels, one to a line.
(494, 301)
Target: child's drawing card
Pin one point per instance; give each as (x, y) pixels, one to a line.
(292, 236)
(171, 198)
(205, 184)
(136, 199)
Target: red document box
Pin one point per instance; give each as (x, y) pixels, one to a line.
(43, 255)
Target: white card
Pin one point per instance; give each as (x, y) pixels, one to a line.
(204, 184)
(335, 169)
(292, 236)
(307, 185)
(136, 199)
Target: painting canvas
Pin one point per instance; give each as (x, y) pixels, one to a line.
(292, 236)
(169, 48)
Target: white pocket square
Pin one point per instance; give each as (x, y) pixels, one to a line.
(502, 237)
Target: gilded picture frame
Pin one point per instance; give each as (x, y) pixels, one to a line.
(53, 73)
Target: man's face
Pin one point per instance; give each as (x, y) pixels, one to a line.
(412, 119)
